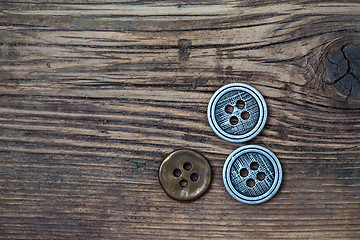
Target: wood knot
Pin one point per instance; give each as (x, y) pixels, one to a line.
(343, 70)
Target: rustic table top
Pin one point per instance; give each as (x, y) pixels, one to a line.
(94, 94)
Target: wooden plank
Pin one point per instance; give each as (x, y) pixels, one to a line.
(94, 94)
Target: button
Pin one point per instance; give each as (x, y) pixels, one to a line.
(185, 174)
(237, 112)
(252, 174)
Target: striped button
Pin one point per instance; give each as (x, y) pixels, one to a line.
(237, 112)
(252, 174)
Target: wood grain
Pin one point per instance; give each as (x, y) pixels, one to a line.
(94, 94)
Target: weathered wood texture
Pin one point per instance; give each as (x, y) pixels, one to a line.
(94, 94)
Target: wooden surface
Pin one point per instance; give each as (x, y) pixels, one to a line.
(94, 94)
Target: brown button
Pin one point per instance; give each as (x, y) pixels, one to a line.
(185, 174)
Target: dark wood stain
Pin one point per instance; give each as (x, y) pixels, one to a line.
(93, 95)
(184, 49)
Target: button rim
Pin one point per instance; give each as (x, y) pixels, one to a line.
(249, 135)
(258, 199)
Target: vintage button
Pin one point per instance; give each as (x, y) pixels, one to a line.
(185, 174)
(237, 112)
(252, 174)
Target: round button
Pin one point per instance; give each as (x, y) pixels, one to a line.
(252, 174)
(185, 174)
(237, 112)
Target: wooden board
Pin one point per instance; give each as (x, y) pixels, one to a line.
(94, 94)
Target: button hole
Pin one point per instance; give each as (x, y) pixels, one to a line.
(244, 172)
(229, 109)
(177, 172)
(183, 183)
(194, 177)
(260, 176)
(234, 120)
(254, 165)
(240, 104)
(187, 166)
(250, 182)
(245, 115)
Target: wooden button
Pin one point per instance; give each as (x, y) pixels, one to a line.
(185, 174)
